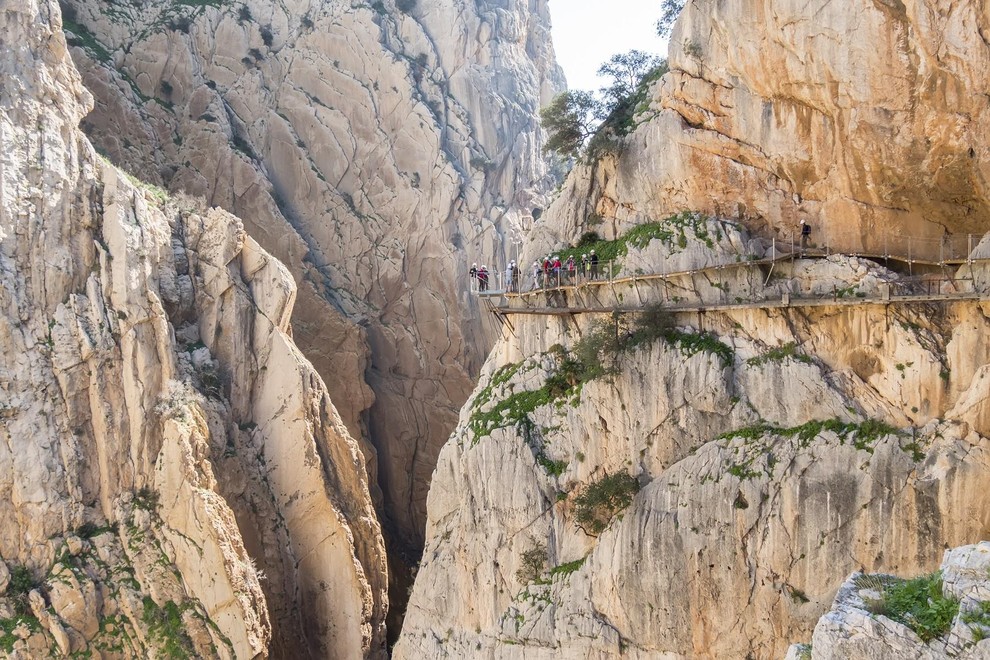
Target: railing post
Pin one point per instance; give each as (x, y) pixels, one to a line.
(886, 250)
(969, 253)
(773, 249)
(941, 251)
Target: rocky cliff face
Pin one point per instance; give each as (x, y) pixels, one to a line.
(705, 497)
(881, 616)
(866, 119)
(700, 484)
(175, 478)
(375, 148)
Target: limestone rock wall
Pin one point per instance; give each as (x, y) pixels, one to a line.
(377, 149)
(857, 627)
(770, 457)
(175, 475)
(867, 119)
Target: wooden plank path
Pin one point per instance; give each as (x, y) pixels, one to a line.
(781, 303)
(498, 302)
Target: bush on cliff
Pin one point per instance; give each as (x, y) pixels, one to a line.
(600, 501)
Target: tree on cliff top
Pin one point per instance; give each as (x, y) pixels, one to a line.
(669, 11)
(582, 124)
(569, 120)
(626, 71)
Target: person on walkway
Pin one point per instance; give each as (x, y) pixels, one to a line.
(556, 270)
(546, 271)
(508, 276)
(474, 277)
(594, 265)
(483, 278)
(584, 267)
(805, 233)
(536, 275)
(570, 269)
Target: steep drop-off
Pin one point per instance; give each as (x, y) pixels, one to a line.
(174, 478)
(700, 484)
(707, 494)
(375, 148)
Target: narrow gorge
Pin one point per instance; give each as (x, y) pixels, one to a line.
(250, 404)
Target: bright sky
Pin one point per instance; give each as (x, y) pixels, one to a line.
(588, 32)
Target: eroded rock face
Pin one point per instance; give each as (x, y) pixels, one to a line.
(765, 462)
(856, 628)
(174, 472)
(865, 119)
(375, 148)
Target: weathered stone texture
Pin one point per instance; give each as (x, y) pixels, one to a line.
(376, 151)
(153, 401)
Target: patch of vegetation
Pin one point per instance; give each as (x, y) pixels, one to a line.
(597, 353)
(978, 621)
(673, 231)
(600, 501)
(513, 410)
(918, 603)
(91, 530)
(692, 343)
(147, 499)
(567, 568)
(788, 351)
(866, 432)
(585, 125)
(80, 36)
(166, 629)
(534, 562)
(554, 468)
(7, 627)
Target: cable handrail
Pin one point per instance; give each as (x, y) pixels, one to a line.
(787, 250)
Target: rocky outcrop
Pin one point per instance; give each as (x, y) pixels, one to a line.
(375, 148)
(176, 479)
(701, 490)
(864, 119)
(858, 625)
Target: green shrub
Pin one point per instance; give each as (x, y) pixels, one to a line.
(567, 568)
(588, 238)
(167, 630)
(651, 324)
(146, 499)
(534, 561)
(788, 351)
(919, 604)
(597, 353)
(600, 501)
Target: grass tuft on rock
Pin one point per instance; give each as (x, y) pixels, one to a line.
(918, 603)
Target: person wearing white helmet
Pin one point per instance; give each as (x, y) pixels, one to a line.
(536, 274)
(474, 276)
(593, 260)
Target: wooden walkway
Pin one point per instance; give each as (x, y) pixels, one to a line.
(782, 303)
(501, 302)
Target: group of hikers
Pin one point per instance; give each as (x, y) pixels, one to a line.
(552, 272)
